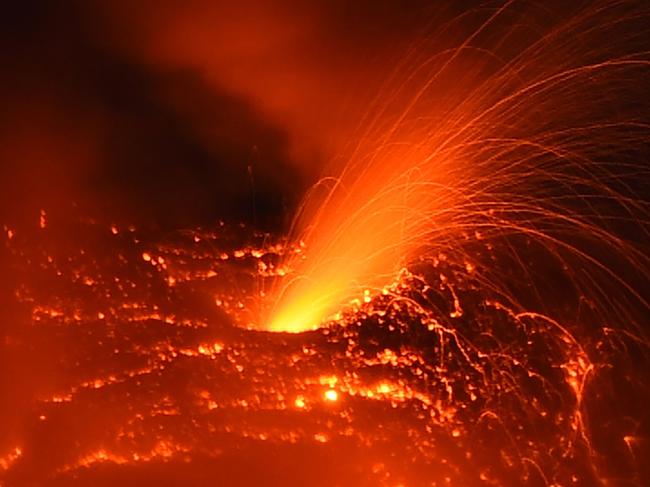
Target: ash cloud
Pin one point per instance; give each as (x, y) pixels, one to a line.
(182, 113)
(85, 127)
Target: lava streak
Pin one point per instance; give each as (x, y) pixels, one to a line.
(524, 125)
(136, 370)
(468, 292)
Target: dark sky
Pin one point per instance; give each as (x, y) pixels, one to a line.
(83, 122)
(154, 111)
(177, 113)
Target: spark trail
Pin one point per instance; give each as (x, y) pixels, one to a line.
(470, 291)
(529, 126)
(133, 353)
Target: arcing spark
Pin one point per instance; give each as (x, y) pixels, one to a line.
(522, 128)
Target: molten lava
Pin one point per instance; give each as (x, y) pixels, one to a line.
(434, 380)
(479, 138)
(463, 301)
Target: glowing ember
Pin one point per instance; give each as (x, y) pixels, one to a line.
(429, 393)
(522, 143)
(331, 395)
(463, 303)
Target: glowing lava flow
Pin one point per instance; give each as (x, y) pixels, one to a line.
(483, 138)
(132, 372)
(486, 236)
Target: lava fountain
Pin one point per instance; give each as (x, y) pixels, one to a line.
(467, 293)
(523, 126)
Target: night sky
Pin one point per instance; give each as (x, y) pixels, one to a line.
(153, 156)
(175, 115)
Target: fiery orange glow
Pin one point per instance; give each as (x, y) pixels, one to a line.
(436, 357)
(461, 300)
(478, 138)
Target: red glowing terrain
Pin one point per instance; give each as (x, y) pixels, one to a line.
(133, 358)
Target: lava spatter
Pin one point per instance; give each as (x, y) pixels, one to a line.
(150, 368)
